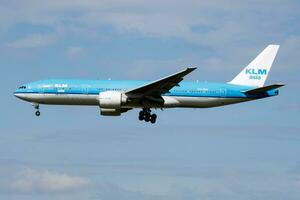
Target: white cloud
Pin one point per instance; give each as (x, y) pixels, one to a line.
(30, 180)
(235, 31)
(225, 21)
(36, 40)
(75, 51)
(32, 41)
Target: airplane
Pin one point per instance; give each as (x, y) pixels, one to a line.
(117, 97)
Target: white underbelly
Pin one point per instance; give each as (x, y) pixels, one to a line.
(200, 102)
(61, 99)
(169, 101)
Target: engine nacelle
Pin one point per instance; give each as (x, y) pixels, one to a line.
(110, 102)
(110, 111)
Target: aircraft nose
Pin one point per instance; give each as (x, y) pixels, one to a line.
(18, 95)
(22, 96)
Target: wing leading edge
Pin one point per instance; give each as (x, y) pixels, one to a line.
(161, 86)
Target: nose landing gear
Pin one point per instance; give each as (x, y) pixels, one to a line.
(37, 113)
(146, 115)
(37, 107)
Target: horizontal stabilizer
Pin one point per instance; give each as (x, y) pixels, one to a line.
(263, 89)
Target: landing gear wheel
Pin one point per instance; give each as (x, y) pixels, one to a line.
(141, 115)
(147, 117)
(36, 107)
(153, 118)
(37, 113)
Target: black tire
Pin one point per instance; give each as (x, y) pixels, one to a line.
(141, 113)
(37, 113)
(153, 118)
(141, 117)
(147, 118)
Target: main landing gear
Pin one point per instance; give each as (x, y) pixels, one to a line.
(37, 107)
(146, 115)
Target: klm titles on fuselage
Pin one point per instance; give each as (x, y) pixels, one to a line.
(256, 73)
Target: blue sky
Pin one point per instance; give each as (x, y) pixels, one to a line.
(244, 151)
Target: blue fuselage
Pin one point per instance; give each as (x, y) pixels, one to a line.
(85, 92)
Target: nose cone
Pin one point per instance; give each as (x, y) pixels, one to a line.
(19, 94)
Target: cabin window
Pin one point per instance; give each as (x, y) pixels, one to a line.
(22, 87)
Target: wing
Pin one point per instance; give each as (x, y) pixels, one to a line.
(156, 88)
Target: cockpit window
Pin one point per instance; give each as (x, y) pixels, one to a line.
(22, 87)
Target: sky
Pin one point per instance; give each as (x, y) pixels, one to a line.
(243, 151)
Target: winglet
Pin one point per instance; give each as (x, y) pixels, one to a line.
(191, 68)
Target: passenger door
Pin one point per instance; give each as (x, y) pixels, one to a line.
(85, 90)
(223, 92)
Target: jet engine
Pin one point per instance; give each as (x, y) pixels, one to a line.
(110, 103)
